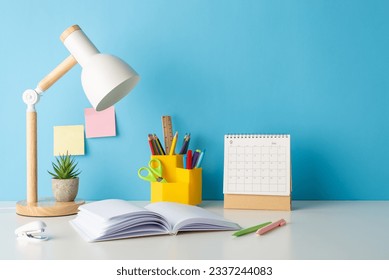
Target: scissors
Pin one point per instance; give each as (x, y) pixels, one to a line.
(153, 172)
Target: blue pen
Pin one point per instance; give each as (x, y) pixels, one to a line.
(184, 159)
(198, 164)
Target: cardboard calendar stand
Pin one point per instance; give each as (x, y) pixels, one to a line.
(257, 202)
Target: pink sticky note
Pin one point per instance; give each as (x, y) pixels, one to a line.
(100, 124)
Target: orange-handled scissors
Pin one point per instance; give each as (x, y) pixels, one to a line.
(153, 172)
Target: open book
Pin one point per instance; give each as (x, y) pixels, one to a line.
(115, 219)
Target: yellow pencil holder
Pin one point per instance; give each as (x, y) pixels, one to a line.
(183, 185)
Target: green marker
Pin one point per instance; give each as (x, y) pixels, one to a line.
(250, 229)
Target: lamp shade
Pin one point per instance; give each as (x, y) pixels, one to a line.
(106, 79)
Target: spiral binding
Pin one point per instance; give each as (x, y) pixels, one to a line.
(242, 135)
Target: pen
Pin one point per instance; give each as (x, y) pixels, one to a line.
(173, 147)
(250, 229)
(274, 225)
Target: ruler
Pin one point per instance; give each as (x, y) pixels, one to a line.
(167, 129)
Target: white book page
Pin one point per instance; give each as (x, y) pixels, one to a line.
(105, 210)
(182, 215)
(114, 218)
(89, 236)
(113, 226)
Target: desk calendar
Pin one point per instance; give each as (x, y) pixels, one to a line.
(257, 171)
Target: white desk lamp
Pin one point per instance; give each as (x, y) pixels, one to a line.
(105, 78)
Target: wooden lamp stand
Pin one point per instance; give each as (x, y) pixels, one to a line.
(32, 206)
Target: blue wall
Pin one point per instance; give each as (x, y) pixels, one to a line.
(315, 69)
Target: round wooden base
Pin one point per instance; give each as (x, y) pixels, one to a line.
(48, 208)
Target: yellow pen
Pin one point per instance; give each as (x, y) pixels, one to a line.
(173, 147)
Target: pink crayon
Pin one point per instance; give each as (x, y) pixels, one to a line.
(271, 227)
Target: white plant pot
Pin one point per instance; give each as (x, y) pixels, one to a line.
(65, 190)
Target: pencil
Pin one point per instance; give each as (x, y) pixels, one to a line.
(173, 147)
(151, 144)
(160, 148)
(184, 143)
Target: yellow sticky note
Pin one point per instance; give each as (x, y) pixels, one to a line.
(69, 139)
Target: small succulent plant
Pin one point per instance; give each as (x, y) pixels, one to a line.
(65, 167)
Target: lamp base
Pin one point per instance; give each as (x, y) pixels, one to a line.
(48, 207)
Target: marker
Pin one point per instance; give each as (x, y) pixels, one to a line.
(189, 159)
(271, 227)
(173, 147)
(198, 164)
(195, 158)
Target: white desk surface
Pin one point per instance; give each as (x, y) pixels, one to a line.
(318, 230)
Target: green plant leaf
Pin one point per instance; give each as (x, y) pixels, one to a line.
(64, 167)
